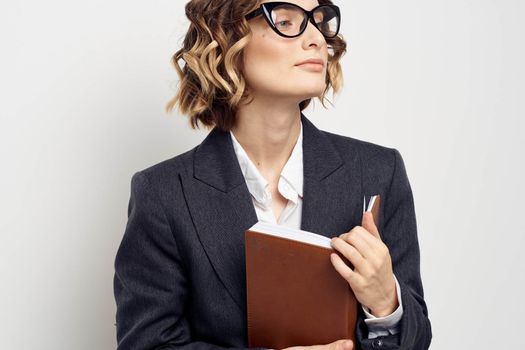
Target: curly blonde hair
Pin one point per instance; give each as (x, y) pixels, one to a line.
(211, 85)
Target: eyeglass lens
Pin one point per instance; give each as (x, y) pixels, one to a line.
(291, 20)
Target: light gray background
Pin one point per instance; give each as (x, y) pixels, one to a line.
(83, 87)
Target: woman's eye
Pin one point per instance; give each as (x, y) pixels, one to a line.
(282, 23)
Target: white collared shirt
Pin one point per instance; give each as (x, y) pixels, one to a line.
(290, 186)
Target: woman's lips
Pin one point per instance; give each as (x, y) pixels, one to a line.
(314, 67)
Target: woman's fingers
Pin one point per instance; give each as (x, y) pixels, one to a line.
(352, 277)
(369, 224)
(362, 240)
(342, 344)
(352, 254)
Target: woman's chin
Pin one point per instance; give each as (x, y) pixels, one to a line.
(311, 93)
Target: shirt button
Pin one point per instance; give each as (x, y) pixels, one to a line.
(377, 343)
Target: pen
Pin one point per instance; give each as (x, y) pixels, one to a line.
(370, 204)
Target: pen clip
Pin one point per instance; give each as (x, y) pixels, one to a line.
(371, 203)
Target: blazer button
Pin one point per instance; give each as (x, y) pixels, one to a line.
(377, 343)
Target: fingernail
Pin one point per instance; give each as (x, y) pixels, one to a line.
(348, 344)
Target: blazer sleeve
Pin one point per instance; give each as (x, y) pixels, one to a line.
(400, 236)
(150, 284)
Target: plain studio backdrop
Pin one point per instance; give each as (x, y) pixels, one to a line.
(83, 87)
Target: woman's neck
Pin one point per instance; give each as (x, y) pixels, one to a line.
(268, 133)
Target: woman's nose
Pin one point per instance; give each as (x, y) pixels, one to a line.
(312, 35)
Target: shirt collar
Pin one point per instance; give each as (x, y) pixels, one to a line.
(292, 172)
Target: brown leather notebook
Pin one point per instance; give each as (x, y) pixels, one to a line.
(295, 297)
(294, 294)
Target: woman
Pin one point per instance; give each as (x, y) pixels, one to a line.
(179, 271)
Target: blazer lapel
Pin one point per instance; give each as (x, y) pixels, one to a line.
(221, 209)
(332, 192)
(221, 206)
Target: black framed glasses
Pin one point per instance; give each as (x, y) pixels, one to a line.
(290, 20)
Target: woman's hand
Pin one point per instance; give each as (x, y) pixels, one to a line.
(372, 279)
(342, 344)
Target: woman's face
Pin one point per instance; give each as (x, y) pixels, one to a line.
(271, 61)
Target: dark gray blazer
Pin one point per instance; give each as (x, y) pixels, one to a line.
(179, 271)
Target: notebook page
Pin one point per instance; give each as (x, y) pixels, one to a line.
(291, 233)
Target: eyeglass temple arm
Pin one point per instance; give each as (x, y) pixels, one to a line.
(254, 13)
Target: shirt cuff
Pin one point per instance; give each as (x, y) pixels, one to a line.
(386, 325)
